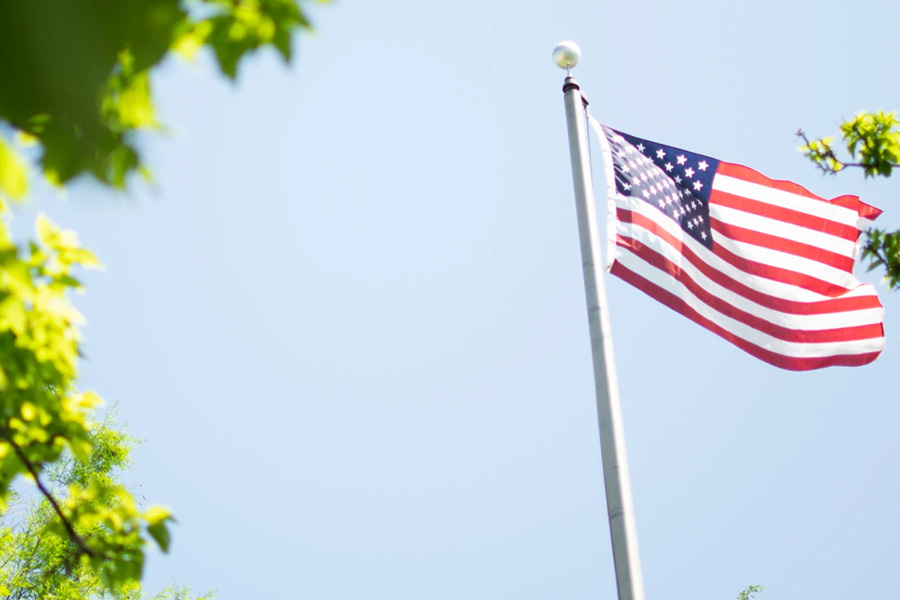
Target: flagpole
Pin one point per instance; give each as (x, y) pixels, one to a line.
(623, 532)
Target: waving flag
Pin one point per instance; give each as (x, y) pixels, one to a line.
(765, 264)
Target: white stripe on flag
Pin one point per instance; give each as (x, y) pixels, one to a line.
(788, 231)
(745, 332)
(768, 286)
(810, 206)
(810, 322)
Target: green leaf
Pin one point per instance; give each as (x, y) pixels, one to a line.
(160, 533)
(189, 42)
(156, 514)
(13, 173)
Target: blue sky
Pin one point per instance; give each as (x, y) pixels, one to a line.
(348, 318)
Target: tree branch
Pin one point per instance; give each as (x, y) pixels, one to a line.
(79, 541)
(862, 165)
(819, 156)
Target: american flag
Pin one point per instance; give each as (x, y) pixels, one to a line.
(765, 264)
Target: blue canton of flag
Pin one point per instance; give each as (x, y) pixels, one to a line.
(675, 181)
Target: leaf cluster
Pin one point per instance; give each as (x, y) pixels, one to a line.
(236, 28)
(76, 75)
(749, 593)
(882, 249)
(872, 142)
(38, 560)
(44, 418)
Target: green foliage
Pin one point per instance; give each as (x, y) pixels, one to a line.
(239, 27)
(874, 139)
(38, 559)
(75, 75)
(883, 250)
(13, 174)
(872, 142)
(76, 87)
(750, 592)
(45, 419)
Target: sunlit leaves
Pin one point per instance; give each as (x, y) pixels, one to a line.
(749, 593)
(872, 143)
(107, 517)
(821, 152)
(38, 559)
(128, 103)
(13, 174)
(157, 518)
(194, 37)
(241, 26)
(874, 140)
(882, 249)
(57, 57)
(77, 76)
(76, 84)
(97, 526)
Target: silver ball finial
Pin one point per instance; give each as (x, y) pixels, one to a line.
(566, 54)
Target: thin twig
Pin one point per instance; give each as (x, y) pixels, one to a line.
(862, 165)
(79, 541)
(829, 153)
(818, 157)
(802, 134)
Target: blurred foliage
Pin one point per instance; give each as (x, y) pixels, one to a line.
(74, 75)
(38, 560)
(872, 143)
(75, 93)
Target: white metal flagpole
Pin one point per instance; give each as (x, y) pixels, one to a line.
(609, 412)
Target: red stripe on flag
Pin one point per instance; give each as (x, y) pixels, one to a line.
(773, 273)
(797, 336)
(754, 176)
(774, 242)
(868, 212)
(767, 271)
(787, 215)
(847, 201)
(779, 360)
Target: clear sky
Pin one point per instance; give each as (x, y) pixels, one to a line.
(348, 318)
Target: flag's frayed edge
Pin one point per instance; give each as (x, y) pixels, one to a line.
(612, 250)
